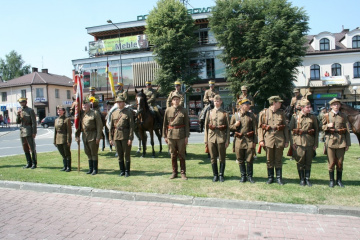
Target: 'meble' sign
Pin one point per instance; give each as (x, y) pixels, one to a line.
(190, 11)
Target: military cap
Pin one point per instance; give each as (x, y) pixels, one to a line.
(211, 82)
(120, 98)
(334, 100)
(177, 82)
(217, 97)
(22, 100)
(296, 90)
(148, 82)
(304, 102)
(244, 101)
(119, 84)
(274, 99)
(243, 88)
(61, 107)
(176, 95)
(91, 88)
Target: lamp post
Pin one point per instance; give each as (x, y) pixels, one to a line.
(121, 74)
(355, 88)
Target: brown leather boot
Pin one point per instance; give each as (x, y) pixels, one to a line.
(183, 176)
(182, 168)
(174, 167)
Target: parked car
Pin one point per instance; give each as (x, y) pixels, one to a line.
(48, 122)
(194, 123)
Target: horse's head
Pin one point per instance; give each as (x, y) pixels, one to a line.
(141, 100)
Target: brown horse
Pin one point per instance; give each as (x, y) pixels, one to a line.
(145, 121)
(353, 116)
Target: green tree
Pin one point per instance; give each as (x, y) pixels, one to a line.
(171, 31)
(13, 66)
(263, 41)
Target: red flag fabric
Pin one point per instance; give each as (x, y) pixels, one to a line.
(79, 99)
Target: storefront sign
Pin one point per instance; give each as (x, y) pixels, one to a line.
(324, 96)
(190, 11)
(101, 47)
(40, 100)
(335, 80)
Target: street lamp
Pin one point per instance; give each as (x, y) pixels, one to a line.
(355, 88)
(121, 74)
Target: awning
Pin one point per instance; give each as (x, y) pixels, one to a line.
(40, 104)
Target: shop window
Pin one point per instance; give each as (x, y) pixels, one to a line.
(324, 44)
(356, 41)
(357, 70)
(57, 93)
(336, 69)
(315, 72)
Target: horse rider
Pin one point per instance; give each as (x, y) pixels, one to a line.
(176, 131)
(295, 101)
(151, 95)
(217, 137)
(28, 129)
(177, 90)
(122, 134)
(244, 94)
(337, 140)
(273, 133)
(305, 136)
(244, 124)
(120, 90)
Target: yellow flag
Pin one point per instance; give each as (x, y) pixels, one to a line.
(111, 81)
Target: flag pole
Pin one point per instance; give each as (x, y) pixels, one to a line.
(107, 77)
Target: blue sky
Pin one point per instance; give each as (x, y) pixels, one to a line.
(49, 34)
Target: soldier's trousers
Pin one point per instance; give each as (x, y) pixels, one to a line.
(246, 154)
(122, 150)
(91, 149)
(303, 157)
(335, 158)
(217, 150)
(274, 157)
(64, 150)
(177, 149)
(28, 144)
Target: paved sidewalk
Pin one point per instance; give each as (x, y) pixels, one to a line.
(35, 215)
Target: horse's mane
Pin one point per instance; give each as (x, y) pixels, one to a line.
(142, 95)
(348, 109)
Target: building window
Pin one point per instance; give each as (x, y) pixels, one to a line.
(57, 93)
(23, 93)
(315, 72)
(336, 69)
(324, 44)
(357, 70)
(356, 41)
(4, 96)
(68, 94)
(39, 92)
(210, 68)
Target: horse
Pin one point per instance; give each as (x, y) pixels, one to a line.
(353, 116)
(145, 121)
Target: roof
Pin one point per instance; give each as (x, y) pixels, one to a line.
(38, 78)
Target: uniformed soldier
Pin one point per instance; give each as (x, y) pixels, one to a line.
(244, 94)
(273, 133)
(217, 137)
(295, 101)
(337, 140)
(120, 90)
(26, 117)
(320, 119)
(210, 93)
(176, 133)
(62, 137)
(93, 99)
(305, 136)
(177, 90)
(244, 124)
(91, 128)
(122, 134)
(151, 95)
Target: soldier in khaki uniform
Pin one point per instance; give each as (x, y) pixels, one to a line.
(26, 117)
(320, 118)
(176, 133)
(91, 128)
(217, 137)
(337, 140)
(93, 99)
(122, 134)
(120, 90)
(62, 137)
(151, 95)
(244, 124)
(273, 133)
(244, 94)
(295, 101)
(305, 136)
(210, 93)
(178, 91)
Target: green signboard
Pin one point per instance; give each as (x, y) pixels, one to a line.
(324, 96)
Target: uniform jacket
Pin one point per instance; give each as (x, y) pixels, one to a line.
(217, 117)
(336, 140)
(209, 94)
(248, 123)
(274, 119)
(305, 123)
(151, 96)
(62, 130)
(169, 103)
(122, 125)
(176, 117)
(91, 126)
(27, 120)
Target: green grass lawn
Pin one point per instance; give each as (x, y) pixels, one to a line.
(152, 175)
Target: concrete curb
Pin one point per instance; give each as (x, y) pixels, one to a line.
(183, 200)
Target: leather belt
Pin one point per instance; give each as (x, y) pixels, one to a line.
(176, 127)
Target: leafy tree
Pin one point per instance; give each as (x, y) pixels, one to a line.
(171, 30)
(13, 66)
(263, 41)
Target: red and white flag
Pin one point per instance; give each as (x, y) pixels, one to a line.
(79, 99)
